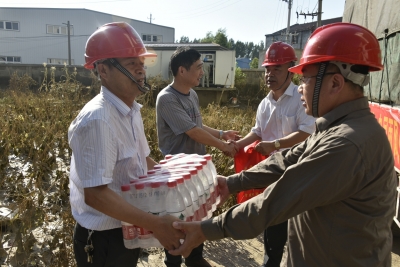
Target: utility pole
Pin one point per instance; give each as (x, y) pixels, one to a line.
(288, 23)
(314, 14)
(319, 13)
(69, 42)
(151, 18)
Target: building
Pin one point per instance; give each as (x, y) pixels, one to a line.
(40, 35)
(299, 34)
(243, 62)
(221, 60)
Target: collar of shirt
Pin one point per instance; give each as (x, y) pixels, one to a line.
(288, 92)
(118, 103)
(342, 110)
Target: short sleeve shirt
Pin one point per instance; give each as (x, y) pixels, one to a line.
(109, 147)
(177, 113)
(277, 119)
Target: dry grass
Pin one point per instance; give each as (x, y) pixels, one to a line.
(34, 164)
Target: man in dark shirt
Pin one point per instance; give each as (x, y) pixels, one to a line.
(338, 187)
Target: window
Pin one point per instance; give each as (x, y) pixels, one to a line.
(60, 61)
(152, 38)
(9, 25)
(57, 29)
(294, 38)
(10, 59)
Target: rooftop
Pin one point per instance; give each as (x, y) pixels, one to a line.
(306, 26)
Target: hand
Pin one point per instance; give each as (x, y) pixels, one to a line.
(194, 237)
(223, 189)
(231, 135)
(265, 148)
(229, 149)
(167, 235)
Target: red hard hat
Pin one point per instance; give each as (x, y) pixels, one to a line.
(344, 42)
(114, 40)
(279, 53)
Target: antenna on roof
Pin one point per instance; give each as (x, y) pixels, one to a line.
(151, 18)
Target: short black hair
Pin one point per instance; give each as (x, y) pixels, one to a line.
(183, 57)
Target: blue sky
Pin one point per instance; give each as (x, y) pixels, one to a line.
(244, 20)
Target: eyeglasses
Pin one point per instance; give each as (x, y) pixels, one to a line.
(305, 80)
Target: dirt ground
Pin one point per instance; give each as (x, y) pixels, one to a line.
(233, 253)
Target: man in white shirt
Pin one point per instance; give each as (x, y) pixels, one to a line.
(109, 148)
(280, 123)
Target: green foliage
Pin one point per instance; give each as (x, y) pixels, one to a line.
(35, 158)
(209, 38)
(221, 38)
(254, 63)
(240, 78)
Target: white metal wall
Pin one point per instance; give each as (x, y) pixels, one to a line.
(35, 46)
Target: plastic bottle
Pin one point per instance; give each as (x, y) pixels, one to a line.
(186, 197)
(156, 205)
(206, 186)
(208, 174)
(145, 237)
(174, 203)
(128, 230)
(202, 212)
(213, 170)
(194, 196)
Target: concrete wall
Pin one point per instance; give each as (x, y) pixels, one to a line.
(37, 71)
(254, 76)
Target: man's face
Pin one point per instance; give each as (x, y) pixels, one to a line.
(276, 76)
(121, 85)
(194, 74)
(307, 86)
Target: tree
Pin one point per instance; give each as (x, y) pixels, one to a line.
(221, 38)
(254, 63)
(184, 39)
(240, 49)
(208, 39)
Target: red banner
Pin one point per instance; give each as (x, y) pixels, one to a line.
(389, 118)
(245, 159)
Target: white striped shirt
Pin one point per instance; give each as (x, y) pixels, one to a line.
(277, 119)
(109, 147)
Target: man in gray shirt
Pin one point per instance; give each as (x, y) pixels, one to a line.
(180, 128)
(338, 187)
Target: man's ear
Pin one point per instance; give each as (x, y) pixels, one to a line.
(103, 70)
(337, 83)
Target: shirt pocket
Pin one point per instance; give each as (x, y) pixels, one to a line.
(289, 125)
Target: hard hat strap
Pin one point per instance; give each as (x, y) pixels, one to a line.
(317, 88)
(115, 63)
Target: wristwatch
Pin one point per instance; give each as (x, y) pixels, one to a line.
(277, 144)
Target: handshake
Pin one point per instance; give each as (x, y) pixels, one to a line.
(230, 147)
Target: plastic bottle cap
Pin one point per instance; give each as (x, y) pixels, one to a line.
(179, 180)
(157, 167)
(203, 161)
(167, 157)
(155, 184)
(163, 161)
(186, 176)
(171, 183)
(125, 187)
(142, 176)
(139, 186)
(207, 157)
(151, 172)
